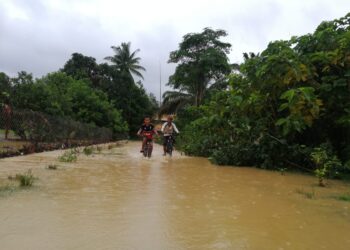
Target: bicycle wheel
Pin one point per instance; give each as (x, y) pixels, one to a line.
(145, 150)
(150, 149)
(169, 147)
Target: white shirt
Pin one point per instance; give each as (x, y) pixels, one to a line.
(173, 125)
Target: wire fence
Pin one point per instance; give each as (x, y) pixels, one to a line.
(26, 131)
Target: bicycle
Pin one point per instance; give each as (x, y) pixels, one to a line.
(169, 145)
(148, 147)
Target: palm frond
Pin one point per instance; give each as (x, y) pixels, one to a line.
(126, 61)
(108, 58)
(174, 100)
(137, 73)
(138, 67)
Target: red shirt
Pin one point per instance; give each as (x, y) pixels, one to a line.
(147, 131)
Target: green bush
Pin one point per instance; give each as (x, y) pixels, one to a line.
(327, 165)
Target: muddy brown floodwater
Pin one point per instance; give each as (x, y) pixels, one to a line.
(118, 200)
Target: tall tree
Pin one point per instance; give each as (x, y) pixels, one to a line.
(21, 93)
(82, 67)
(202, 60)
(126, 61)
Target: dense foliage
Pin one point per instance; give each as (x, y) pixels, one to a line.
(285, 106)
(61, 95)
(99, 94)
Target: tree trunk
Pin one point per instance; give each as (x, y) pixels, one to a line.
(200, 92)
(196, 101)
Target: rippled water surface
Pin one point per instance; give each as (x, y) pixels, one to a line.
(118, 200)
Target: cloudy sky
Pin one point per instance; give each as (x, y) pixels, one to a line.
(39, 36)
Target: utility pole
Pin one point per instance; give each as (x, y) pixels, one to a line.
(160, 85)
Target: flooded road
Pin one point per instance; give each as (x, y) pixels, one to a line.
(118, 200)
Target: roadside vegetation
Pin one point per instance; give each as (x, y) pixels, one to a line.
(287, 107)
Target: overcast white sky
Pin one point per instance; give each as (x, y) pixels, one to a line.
(39, 36)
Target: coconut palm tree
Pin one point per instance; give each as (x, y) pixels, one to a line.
(189, 95)
(125, 61)
(175, 100)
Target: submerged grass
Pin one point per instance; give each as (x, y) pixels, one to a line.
(114, 145)
(68, 156)
(99, 149)
(26, 179)
(343, 197)
(88, 150)
(7, 189)
(306, 194)
(52, 167)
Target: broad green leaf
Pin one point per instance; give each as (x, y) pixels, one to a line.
(281, 121)
(289, 94)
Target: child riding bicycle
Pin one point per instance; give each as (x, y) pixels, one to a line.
(168, 129)
(147, 130)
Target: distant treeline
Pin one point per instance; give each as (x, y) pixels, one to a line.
(105, 95)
